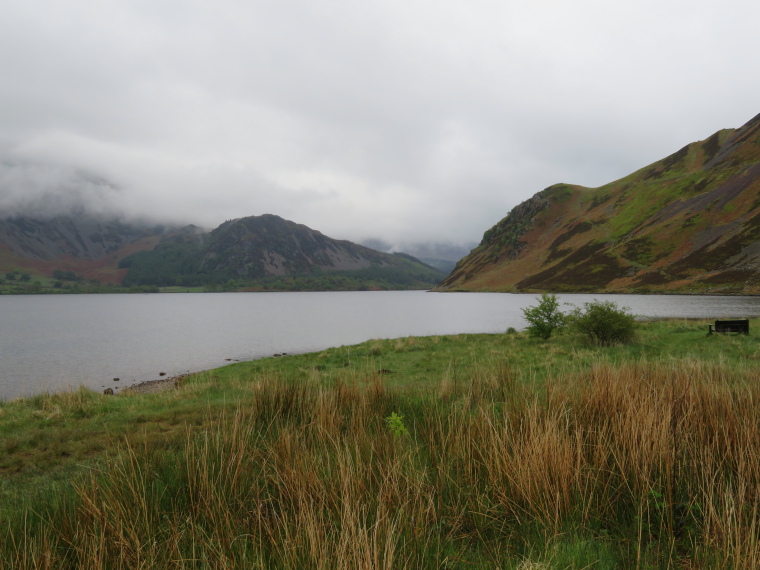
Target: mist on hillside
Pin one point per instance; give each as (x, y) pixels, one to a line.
(46, 190)
(445, 251)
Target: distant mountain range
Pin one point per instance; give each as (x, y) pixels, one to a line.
(261, 249)
(264, 252)
(689, 223)
(441, 255)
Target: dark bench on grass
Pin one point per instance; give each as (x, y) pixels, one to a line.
(732, 326)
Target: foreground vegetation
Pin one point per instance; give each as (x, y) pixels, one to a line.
(442, 452)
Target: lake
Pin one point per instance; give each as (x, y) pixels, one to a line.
(55, 342)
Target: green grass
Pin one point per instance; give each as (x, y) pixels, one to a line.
(515, 453)
(421, 362)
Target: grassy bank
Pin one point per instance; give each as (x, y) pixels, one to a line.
(509, 453)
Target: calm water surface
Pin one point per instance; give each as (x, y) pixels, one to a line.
(53, 342)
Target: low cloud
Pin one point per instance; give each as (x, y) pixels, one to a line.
(445, 251)
(414, 122)
(45, 190)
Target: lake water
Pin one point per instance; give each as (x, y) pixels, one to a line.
(54, 342)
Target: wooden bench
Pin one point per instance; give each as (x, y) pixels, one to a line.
(730, 326)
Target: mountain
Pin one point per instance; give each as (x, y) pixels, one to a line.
(441, 255)
(443, 265)
(689, 223)
(261, 251)
(87, 244)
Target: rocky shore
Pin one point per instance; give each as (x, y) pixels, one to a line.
(152, 386)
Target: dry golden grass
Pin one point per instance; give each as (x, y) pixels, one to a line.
(663, 458)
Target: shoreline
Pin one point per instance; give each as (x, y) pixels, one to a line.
(153, 386)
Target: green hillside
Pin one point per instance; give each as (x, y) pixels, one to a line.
(687, 223)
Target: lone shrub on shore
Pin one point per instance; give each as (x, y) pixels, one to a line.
(545, 317)
(603, 323)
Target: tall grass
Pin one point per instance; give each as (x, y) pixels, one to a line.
(646, 465)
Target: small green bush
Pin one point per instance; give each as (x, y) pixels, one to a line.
(604, 323)
(396, 424)
(545, 317)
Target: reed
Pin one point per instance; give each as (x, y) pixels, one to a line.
(640, 465)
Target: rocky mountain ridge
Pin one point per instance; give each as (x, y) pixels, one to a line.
(111, 250)
(266, 247)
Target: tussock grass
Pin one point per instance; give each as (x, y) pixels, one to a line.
(639, 465)
(517, 454)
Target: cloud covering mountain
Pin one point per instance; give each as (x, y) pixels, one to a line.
(402, 121)
(42, 191)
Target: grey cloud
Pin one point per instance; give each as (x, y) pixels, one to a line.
(414, 122)
(47, 190)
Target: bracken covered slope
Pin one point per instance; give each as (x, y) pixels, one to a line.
(689, 223)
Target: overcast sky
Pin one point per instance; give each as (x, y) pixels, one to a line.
(408, 121)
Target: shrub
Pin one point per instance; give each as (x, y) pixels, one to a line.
(545, 317)
(604, 323)
(396, 424)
